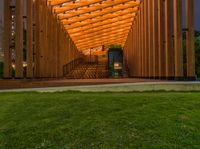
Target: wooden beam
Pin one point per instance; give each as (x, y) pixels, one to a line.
(101, 32)
(29, 39)
(169, 39)
(108, 10)
(37, 35)
(142, 40)
(118, 25)
(92, 8)
(80, 25)
(190, 46)
(100, 18)
(161, 39)
(178, 49)
(155, 39)
(19, 40)
(6, 40)
(150, 39)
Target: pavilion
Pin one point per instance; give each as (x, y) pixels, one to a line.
(58, 31)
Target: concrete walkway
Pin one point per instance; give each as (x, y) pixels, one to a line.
(120, 87)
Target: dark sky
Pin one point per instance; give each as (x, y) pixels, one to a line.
(197, 13)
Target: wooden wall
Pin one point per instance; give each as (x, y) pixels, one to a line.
(154, 45)
(48, 45)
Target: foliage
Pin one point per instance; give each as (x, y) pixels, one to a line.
(115, 46)
(99, 120)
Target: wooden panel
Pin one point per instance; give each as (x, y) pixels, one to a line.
(147, 38)
(37, 33)
(190, 39)
(150, 39)
(142, 41)
(85, 16)
(6, 39)
(169, 39)
(19, 40)
(155, 39)
(29, 37)
(161, 39)
(178, 51)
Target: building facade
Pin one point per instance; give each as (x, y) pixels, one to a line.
(150, 32)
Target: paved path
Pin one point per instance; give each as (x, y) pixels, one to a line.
(121, 87)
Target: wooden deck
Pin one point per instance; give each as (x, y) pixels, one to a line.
(40, 83)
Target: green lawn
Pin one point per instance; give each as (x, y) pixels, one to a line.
(75, 120)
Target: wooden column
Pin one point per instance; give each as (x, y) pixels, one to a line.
(37, 34)
(190, 46)
(140, 47)
(146, 39)
(161, 39)
(155, 39)
(136, 48)
(178, 51)
(29, 39)
(55, 50)
(6, 39)
(19, 40)
(142, 40)
(150, 39)
(169, 39)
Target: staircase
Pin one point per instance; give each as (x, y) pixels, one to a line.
(89, 71)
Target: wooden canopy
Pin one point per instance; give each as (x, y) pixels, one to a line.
(93, 23)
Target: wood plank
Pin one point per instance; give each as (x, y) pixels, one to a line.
(169, 39)
(155, 39)
(190, 46)
(161, 39)
(19, 40)
(178, 49)
(150, 39)
(6, 40)
(29, 37)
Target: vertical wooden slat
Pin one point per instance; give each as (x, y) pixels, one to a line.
(155, 39)
(150, 39)
(6, 39)
(178, 51)
(142, 40)
(29, 37)
(37, 33)
(19, 40)
(190, 46)
(161, 39)
(169, 39)
(146, 39)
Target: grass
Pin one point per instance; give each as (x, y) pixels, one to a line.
(75, 120)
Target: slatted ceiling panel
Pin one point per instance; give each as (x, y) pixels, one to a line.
(102, 38)
(101, 18)
(117, 26)
(102, 41)
(93, 23)
(113, 17)
(99, 33)
(59, 2)
(97, 37)
(99, 30)
(83, 25)
(94, 8)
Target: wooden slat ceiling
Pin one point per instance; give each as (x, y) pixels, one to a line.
(93, 23)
